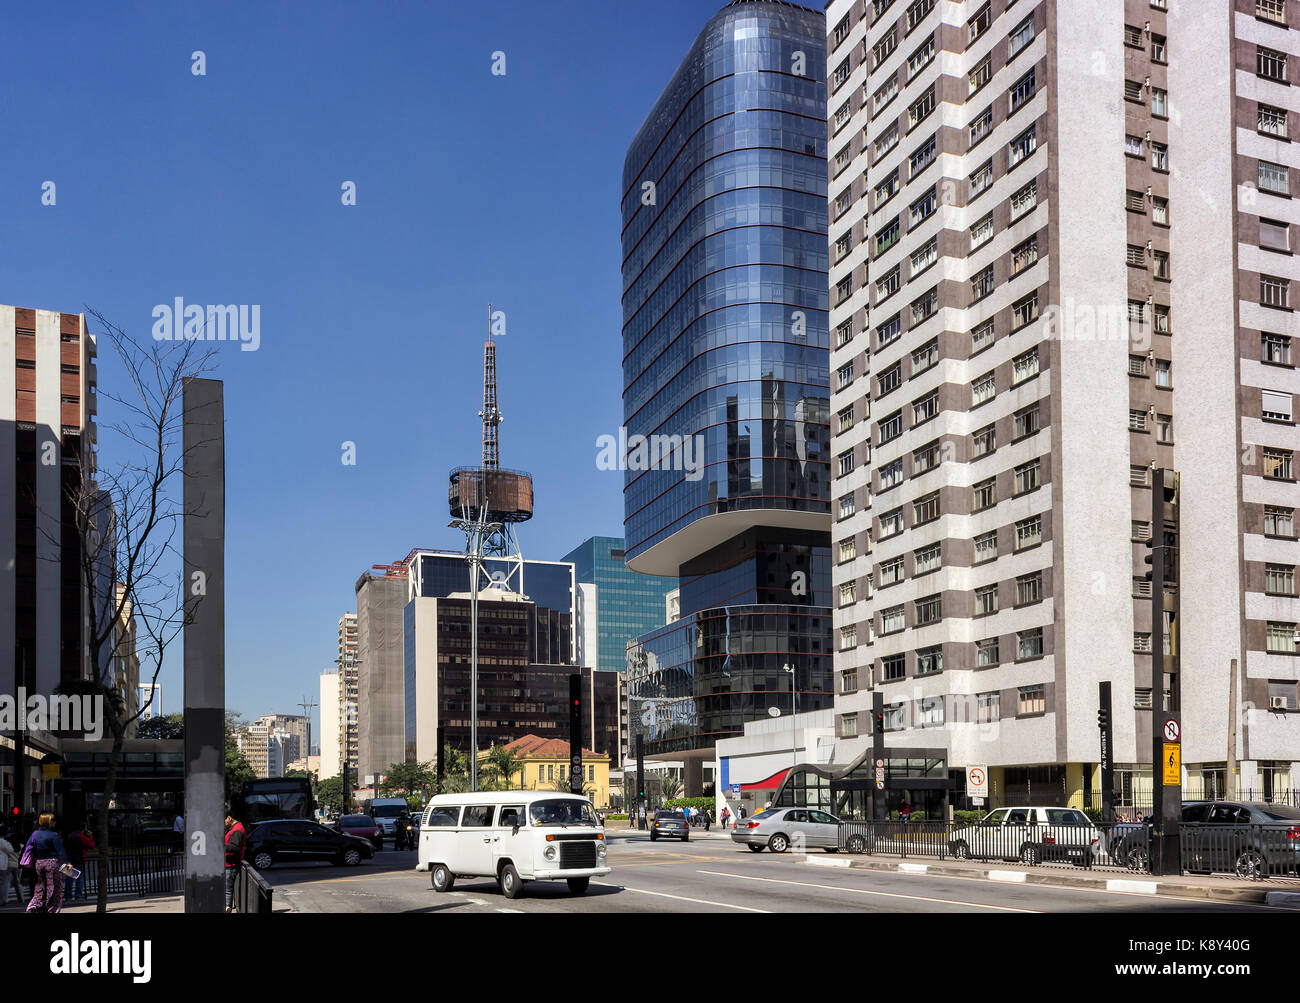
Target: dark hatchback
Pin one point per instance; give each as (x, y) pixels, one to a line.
(288, 841)
(363, 826)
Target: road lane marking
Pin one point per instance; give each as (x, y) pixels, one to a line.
(503, 909)
(682, 898)
(866, 891)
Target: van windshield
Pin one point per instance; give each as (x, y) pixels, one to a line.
(388, 810)
(562, 811)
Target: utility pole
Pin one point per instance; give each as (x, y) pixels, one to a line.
(879, 807)
(1166, 726)
(640, 781)
(1230, 774)
(1107, 753)
(308, 704)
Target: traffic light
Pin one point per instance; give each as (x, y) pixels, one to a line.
(1150, 561)
(880, 724)
(1103, 719)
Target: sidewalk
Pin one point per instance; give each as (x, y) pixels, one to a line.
(1273, 893)
(116, 904)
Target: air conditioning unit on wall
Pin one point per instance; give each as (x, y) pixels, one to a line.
(1277, 703)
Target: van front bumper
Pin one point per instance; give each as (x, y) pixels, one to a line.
(571, 872)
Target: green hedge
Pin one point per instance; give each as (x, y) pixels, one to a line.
(704, 804)
(616, 817)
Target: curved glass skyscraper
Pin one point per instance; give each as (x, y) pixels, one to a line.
(725, 375)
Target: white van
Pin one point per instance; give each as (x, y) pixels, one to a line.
(513, 836)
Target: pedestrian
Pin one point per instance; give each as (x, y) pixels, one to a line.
(178, 831)
(75, 844)
(905, 811)
(47, 855)
(708, 819)
(725, 817)
(236, 843)
(8, 869)
(399, 832)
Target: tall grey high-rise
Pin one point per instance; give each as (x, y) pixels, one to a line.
(1060, 260)
(725, 375)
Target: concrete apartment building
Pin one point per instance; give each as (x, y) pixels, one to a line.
(1059, 245)
(47, 437)
(381, 596)
(331, 749)
(345, 718)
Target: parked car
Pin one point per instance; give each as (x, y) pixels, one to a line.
(670, 825)
(363, 826)
(512, 837)
(777, 829)
(285, 841)
(1247, 838)
(1031, 835)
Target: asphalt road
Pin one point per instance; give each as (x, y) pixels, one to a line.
(704, 876)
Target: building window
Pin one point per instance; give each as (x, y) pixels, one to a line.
(1133, 36)
(1024, 255)
(889, 283)
(847, 505)
(1135, 201)
(984, 495)
(887, 189)
(1277, 464)
(929, 660)
(1021, 36)
(893, 667)
(1137, 365)
(1280, 637)
(849, 725)
(891, 523)
(986, 546)
(1029, 589)
(1027, 477)
(1029, 532)
(888, 332)
(1025, 365)
(925, 256)
(926, 357)
(1133, 146)
(1159, 49)
(1141, 530)
(1139, 475)
(1270, 63)
(849, 681)
(1165, 429)
(891, 428)
(845, 418)
(931, 712)
(1159, 102)
(1160, 264)
(1137, 420)
(929, 610)
(981, 336)
(982, 126)
(886, 141)
(1274, 291)
(1275, 348)
(892, 620)
(980, 180)
(844, 333)
(844, 289)
(884, 95)
(1022, 90)
(1279, 579)
(926, 458)
(1024, 311)
(887, 238)
(984, 441)
(918, 110)
(1031, 700)
(982, 284)
(918, 60)
(1276, 405)
(846, 463)
(848, 549)
(925, 306)
(841, 31)
(979, 76)
(1160, 315)
(1282, 695)
(917, 11)
(1026, 421)
(1160, 156)
(1142, 643)
(1271, 121)
(983, 389)
(891, 474)
(848, 638)
(925, 509)
(978, 24)
(928, 559)
(842, 115)
(843, 245)
(923, 208)
(1271, 10)
(1159, 210)
(981, 232)
(1274, 178)
(1164, 373)
(1024, 200)
(1274, 235)
(988, 705)
(1022, 146)
(986, 600)
(922, 158)
(844, 375)
(1136, 255)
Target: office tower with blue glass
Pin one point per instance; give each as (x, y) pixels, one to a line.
(726, 382)
(613, 605)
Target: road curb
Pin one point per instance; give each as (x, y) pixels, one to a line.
(1133, 886)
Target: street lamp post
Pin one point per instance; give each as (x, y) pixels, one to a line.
(794, 741)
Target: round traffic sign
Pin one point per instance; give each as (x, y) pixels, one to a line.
(1171, 731)
(976, 777)
(880, 785)
(880, 763)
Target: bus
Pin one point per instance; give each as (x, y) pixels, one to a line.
(274, 797)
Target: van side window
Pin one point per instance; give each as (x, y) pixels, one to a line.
(477, 815)
(511, 816)
(444, 815)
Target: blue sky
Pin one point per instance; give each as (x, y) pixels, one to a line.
(225, 188)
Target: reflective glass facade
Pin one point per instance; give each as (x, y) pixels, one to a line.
(726, 346)
(627, 604)
(725, 291)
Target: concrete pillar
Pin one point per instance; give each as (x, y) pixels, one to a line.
(204, 502)
(1249, 773)
(1074, 785)
(693, 780)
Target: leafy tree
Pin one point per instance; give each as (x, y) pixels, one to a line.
(669, 786)
(501, 768)
(305, 774)
(329, 792)
(237, 768)
(409, 780)
(455, 771)
(562, 784)
(162, 726)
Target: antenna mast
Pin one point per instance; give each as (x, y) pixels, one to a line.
(490, 414)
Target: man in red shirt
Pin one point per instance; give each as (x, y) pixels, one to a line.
(236, 840)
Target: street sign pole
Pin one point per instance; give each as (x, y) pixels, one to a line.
(1107, 753)
(640, 781)
(1166, 726)
(575, 733)
(879, 808)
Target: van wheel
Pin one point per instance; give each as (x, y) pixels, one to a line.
(511, 886)
(442, 879)
(262, 860)
(578, 885)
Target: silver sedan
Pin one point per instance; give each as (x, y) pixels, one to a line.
(779, 829)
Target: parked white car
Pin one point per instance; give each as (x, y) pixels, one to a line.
(513, 837)
(1031, 835)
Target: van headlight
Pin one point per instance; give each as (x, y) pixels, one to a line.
(549, 853)
(600, 849)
